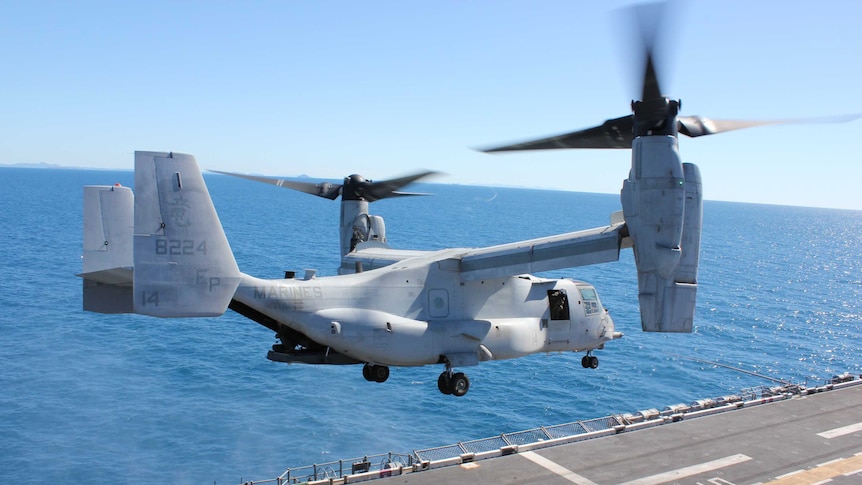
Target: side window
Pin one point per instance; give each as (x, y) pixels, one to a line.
(559, 305)
(591, 300)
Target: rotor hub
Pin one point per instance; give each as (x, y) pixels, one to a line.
(655, 117)
(355, 187)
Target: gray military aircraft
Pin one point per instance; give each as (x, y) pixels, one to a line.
(162, 252)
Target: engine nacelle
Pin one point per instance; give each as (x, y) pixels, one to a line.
(662, 205)
(358, 226)
(367, 227)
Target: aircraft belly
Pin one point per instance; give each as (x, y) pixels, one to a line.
(374, 336)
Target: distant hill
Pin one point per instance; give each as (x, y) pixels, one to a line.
(55, 166)
(33, 165)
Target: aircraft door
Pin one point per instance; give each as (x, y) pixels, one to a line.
(560, 323)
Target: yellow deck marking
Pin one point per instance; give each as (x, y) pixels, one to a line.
(821, 473)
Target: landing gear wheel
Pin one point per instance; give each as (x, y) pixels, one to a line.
(589, 361)
(380, 372)
(375, 373)
(459, 384)
(443, 383)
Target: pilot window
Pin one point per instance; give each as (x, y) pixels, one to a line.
(559, 304)
(591, 301)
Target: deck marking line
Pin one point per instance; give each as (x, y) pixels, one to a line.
(822, 473)
(556, 468)
(834, 433)
(779, 477)
(690, 470)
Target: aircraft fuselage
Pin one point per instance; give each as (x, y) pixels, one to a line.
(420, 312)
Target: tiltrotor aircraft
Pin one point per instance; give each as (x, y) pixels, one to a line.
(162, 252)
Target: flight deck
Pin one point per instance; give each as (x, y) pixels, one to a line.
(783, 435)
(800, 440)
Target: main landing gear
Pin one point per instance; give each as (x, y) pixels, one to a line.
(454, 383)
(590, 361)
(375, 373)
(449, 382)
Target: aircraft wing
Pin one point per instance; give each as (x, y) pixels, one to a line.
(371, 255)
(582, 248)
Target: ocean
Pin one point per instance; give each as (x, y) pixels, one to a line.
(91, 398)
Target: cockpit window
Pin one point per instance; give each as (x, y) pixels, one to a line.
(591, 301)
(559, 305)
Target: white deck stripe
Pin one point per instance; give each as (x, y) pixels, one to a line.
(689, 470)
(834, 433)
(556, 468)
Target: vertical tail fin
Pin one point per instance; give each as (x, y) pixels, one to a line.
(107, 260)
(183, 263)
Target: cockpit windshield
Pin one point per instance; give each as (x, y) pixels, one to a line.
(591, 300)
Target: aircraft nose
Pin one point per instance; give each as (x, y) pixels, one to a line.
(609, 327)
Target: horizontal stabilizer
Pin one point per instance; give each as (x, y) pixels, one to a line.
(114, 276)
(184, 266)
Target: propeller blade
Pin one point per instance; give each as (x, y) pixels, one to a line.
(615, 133)
(694, 126)
(409, 194)
(650, 21)
(389, 188)
(651, 89)
(323, 189)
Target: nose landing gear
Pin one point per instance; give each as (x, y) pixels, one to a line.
(590, 361)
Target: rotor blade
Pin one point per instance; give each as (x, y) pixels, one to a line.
(651, 89)
(650, 20)
(615, 133)
(409, 194)
(389, 188)
(694, 126)
(323, 189)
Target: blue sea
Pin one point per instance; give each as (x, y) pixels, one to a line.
(90, 398)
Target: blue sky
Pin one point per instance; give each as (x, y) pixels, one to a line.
(383, 88)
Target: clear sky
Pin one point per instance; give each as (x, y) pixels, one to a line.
(383, 88)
